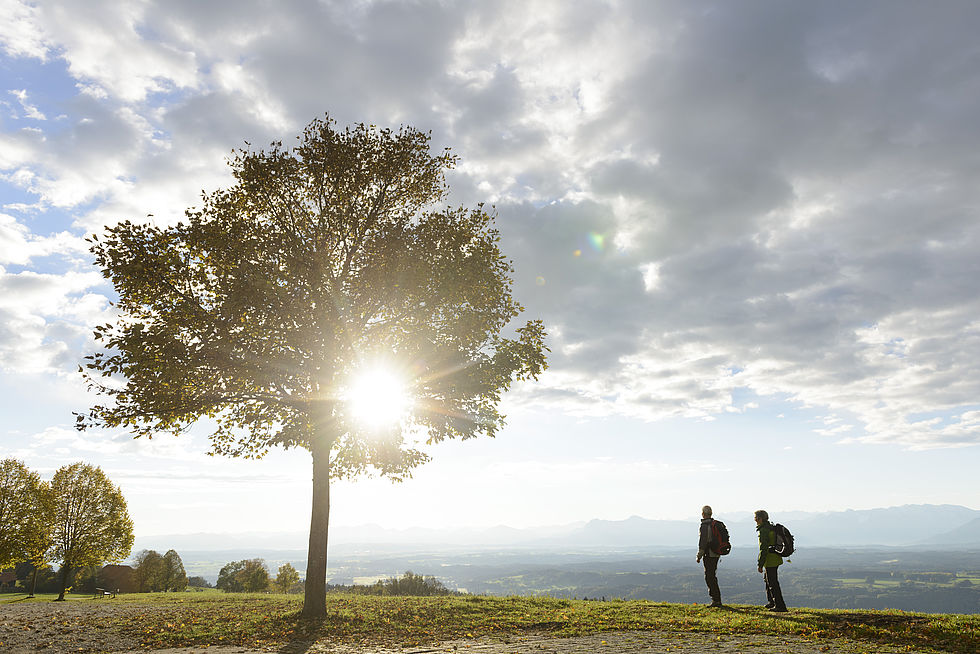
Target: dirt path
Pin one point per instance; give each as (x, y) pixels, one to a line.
(629, 642)
(83, 628)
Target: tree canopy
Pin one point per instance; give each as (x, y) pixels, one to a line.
(322, 261)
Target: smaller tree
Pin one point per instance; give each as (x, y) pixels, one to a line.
(287, 579)
(174, 578)
(92, 524)
(229, 579)
(256, 576)
(148, 571)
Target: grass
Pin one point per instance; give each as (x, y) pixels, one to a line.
(175, 620)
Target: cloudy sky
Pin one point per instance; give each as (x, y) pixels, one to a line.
(751, 228)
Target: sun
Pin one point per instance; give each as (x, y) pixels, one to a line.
(378, 398)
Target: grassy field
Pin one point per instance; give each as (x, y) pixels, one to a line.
(171, 620)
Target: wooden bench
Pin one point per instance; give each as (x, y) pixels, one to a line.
(102, 593)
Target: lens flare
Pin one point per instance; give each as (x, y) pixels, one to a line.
(378, 398)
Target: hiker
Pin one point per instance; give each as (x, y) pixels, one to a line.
(769, 562)
(710, 557)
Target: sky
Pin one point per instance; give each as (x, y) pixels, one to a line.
(751, 229)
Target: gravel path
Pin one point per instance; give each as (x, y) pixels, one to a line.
(82, 628)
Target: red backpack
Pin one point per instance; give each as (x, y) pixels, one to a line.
(719, 538)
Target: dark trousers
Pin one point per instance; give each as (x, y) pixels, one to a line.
(773, 592)
(711, 577)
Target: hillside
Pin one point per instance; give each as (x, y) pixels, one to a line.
(490, 624)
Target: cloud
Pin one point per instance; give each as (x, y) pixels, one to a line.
(699, 199)
(19, 246)
(29, 110)
(21, 34)
(46, 319)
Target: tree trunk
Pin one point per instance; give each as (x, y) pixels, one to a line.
(315, 599)
(33, 582)
(63, 574)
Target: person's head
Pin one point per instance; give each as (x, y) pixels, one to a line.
(705, 511)
(761, 516)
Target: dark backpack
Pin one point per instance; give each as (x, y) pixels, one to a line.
(784, 541)
(719, 538)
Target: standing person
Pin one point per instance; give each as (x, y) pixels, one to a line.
(710, 557)
(769, 563)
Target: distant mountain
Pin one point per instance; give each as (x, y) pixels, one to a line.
(896, 526)
(968, 534)
(633, 532)
(217, 542)
(901, 525)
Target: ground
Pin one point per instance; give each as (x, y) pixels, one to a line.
(83, 628)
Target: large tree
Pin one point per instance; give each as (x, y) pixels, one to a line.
(91, 521)
(263, 309)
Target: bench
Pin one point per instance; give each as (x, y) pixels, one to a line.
(102, 592)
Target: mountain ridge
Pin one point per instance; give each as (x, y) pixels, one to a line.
(906, 525)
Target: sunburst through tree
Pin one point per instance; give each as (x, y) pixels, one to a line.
(322, 301)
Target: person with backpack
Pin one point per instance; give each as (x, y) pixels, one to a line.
(710, 550)
(769, 562)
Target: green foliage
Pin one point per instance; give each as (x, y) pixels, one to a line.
(26, 516)
(155, 573)
(258, 310)
(91, 522)
(86, 579)
(248, 576)
(148, 571)
(287, 581)
(174, 578)
(198, 582)
(409, 584)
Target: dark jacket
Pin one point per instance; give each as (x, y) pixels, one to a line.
(704, 542)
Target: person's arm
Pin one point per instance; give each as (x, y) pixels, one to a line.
(704, 540)
(763, 546)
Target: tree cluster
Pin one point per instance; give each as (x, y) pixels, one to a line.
(247, 576)
(78, 519)
(155, 573)
(409, 584)
(198, 582)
